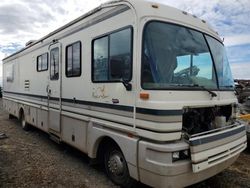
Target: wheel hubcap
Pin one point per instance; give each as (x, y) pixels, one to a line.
(116, 164)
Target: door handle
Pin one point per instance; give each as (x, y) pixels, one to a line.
(115, 101)
(48, 90)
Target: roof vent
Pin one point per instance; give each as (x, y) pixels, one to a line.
(184, 12)
(30, 42)
(203, 21)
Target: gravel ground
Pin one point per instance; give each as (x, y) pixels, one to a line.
(31, 159)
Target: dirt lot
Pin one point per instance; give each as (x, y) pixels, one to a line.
(31, 159)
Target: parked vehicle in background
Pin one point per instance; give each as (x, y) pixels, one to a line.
(243, 94)
(144, 88)
(243, 90)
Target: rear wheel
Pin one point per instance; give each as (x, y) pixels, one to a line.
(11, 116)
(23, 123)
(116, 167)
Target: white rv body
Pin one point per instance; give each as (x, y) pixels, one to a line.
(83, 113)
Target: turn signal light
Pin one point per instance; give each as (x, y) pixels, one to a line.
(144, 96)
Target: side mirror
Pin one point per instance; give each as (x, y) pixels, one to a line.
(116, 68)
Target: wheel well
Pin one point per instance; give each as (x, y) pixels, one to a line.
(21, 112)
(105, 142)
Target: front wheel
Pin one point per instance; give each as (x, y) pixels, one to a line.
(116, 167)
(23, 123)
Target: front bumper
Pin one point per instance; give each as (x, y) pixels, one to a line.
(211, 149)
(183, 179)
(208, 158)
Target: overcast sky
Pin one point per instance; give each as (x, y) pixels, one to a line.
(23, 20)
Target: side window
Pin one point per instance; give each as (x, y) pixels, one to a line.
(100, 67)
(42, 62)
(10, 73)
(116, 47)
(73, 60)
(54, 64)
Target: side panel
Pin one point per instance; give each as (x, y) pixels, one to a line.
(11, 107)
(82, 89)
(42, 120)
(74, 133)
(31, 115)
(14, 109)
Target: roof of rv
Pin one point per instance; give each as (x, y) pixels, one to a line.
(144, 8)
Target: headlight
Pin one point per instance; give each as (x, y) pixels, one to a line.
(235, 110)
(180, 155)
(176, 156)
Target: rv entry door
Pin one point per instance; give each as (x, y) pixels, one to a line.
(54, 88)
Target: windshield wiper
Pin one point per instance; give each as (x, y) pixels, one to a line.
(231, 86)
(213, 94)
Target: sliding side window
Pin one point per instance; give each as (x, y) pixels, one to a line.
(42, 62)
(73, 60)
(54, 64)
(115, 47)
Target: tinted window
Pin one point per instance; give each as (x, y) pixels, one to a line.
(42, 62)
(54, 64)
(101, 59)
(73, 60)
(113, 47)
(120, 50)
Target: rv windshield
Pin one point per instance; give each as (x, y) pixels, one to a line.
(177, 57)
(221, 62)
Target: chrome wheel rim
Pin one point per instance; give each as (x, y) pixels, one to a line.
(116, 163)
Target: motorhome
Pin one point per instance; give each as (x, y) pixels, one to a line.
(144, 88)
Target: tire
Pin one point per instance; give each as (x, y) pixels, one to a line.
(116, 167)
(11, 116)
(24, 124)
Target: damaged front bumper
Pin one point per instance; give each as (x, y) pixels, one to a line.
(208, 150)
(210, 153)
